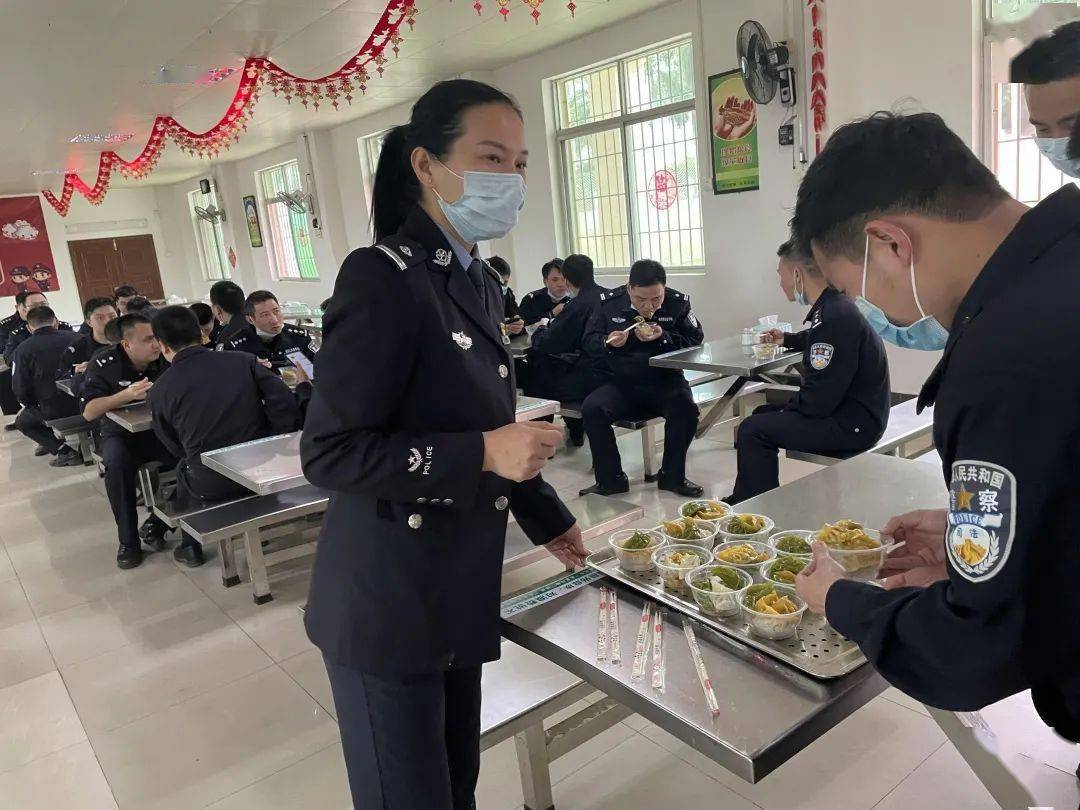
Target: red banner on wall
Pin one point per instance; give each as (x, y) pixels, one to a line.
(26, 260)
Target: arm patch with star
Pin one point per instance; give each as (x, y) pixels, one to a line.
(982, 519)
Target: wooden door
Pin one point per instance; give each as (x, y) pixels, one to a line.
(101, 265)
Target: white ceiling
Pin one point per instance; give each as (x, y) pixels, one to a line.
(88, 65)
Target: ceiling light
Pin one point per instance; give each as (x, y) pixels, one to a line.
(102, 137)
(40, 172)
(215, 75)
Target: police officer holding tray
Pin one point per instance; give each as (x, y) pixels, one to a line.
(412, 429)
(842, 406)
(981, 601)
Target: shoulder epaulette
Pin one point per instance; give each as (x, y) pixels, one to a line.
(104, 359)
(491, 271)
(403, 253)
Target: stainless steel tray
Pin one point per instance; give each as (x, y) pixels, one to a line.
(816, 648)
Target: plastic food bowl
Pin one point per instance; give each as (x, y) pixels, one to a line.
(761, 535)
(725, 603)
(766, 351)
(706, 527)
(768, 625)
(786, 562)
(687, 508)
(637, 561)
(766, 553)
(803, 534)
(861, 564)
(673, 575)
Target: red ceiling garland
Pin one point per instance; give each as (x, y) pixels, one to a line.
(504, 7)
(818, 85)
(257, 71)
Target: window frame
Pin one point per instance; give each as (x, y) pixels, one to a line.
(622, 122)
(368, 162)
(265, 205)
(200, 246)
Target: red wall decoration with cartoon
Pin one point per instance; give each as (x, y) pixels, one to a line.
(26, 261)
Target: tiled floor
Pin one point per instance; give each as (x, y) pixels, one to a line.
(158, 688)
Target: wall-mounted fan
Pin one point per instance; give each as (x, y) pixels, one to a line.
(765, 65)
(213, 214)
(295, 201)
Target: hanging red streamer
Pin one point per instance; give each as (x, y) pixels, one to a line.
(341, 85)
(818, 84)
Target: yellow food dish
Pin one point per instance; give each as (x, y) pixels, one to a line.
(746, 524)
(846, 535)
(705, 510)
(742, 554)
(775, 604)
(970, 552)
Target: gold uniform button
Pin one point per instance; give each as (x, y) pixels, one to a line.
(504, 372)
(502, 502)
(415, 521)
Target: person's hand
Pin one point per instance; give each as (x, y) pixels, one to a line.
(618, 339)
(301, 375)
(568, 548)
(557, 310)
(921, 560)
(137, 390)
(81, 367)
(518, 452)
(774, 336)
(813, 583)
(516, 327)
(649, 332)
(262, 361)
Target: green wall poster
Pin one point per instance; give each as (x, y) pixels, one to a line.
(733, 131)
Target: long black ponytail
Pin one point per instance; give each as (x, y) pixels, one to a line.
(435, 125)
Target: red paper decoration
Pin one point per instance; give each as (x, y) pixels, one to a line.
(256, 73)
(818, 84)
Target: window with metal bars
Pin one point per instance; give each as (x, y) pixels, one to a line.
(1019, 165)
(291, 254)
(627, 134)
(209, 240)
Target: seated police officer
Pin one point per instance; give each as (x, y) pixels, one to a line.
(98, 312)
(208, 324)
(22, 332)
(630, 325)
(227, 302)
(980, 602)
(842, 406)
(33, 368)
(269, 337)
(548, 302)
(118, 376)
(515, 325)
(559, 368)
(122, 295)
(207, 400)
(142, 305)
(8, 403)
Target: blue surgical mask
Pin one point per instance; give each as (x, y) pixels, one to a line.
(1056, 151)
(800, 295)
(926, 334)
(488, 206)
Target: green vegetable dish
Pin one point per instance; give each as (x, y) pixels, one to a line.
(745, 524)
(786, 569)
(792, 544)
(637, 541)
(727, 576)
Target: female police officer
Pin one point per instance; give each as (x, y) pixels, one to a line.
(412, 429)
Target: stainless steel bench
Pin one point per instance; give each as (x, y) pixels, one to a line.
(74, 426)
(905, 426)
(247, 519)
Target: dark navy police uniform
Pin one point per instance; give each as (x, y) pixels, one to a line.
(208, 400)
(291, 337)
(559, 368)
(9, 405)
(1007, 426)
(404, 599)
(841, 408)
(237, 327)
(33, 368)
(538, 305)
(20, 333)
(636, 389)
(123, 452)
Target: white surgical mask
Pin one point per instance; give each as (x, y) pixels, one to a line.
(1056, 151)
(488, 206)
(265, 335)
